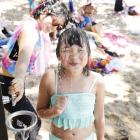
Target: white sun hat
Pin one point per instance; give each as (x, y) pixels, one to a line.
(89, 2)
(86, 2)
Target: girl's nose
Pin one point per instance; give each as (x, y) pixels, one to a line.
(74, 55)
(73, 52)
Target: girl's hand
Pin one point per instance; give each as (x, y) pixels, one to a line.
(16, 90)
(61, 103)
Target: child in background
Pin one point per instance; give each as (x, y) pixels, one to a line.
(88, 23)
(72, 95)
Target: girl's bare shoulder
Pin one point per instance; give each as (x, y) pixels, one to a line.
(29, 33)
(97, 76)
(49, 74)
(48, 81)
(29, 26)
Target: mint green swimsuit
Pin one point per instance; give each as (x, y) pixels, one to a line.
(78, 112)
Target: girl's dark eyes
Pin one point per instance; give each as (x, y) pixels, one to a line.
(70, 50)
(81, 50)
(66, 50)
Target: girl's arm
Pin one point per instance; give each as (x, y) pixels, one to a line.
(99, 109)
(46, 90)
(26, 43)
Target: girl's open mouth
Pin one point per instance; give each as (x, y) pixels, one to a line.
(73, 64)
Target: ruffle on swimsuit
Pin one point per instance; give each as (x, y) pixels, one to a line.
(78, 113)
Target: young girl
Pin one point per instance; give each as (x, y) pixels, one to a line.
(72, 95)
(24, 50)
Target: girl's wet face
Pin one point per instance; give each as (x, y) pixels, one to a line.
(73, 57)
(58, 20)
(88, 9)
(47, 24)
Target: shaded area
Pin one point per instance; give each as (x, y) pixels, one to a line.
(108, 17)
(122, 117)
(122, 120)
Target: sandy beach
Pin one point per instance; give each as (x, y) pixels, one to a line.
(122, 97)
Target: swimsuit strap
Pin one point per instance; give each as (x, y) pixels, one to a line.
(93, 84)
(56, 81)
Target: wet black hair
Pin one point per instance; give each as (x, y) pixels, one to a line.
(39, 9)
(50, 7)
(74, 36)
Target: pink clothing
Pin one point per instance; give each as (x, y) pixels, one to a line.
(41, 49)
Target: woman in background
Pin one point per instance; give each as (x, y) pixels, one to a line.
(21, 57)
